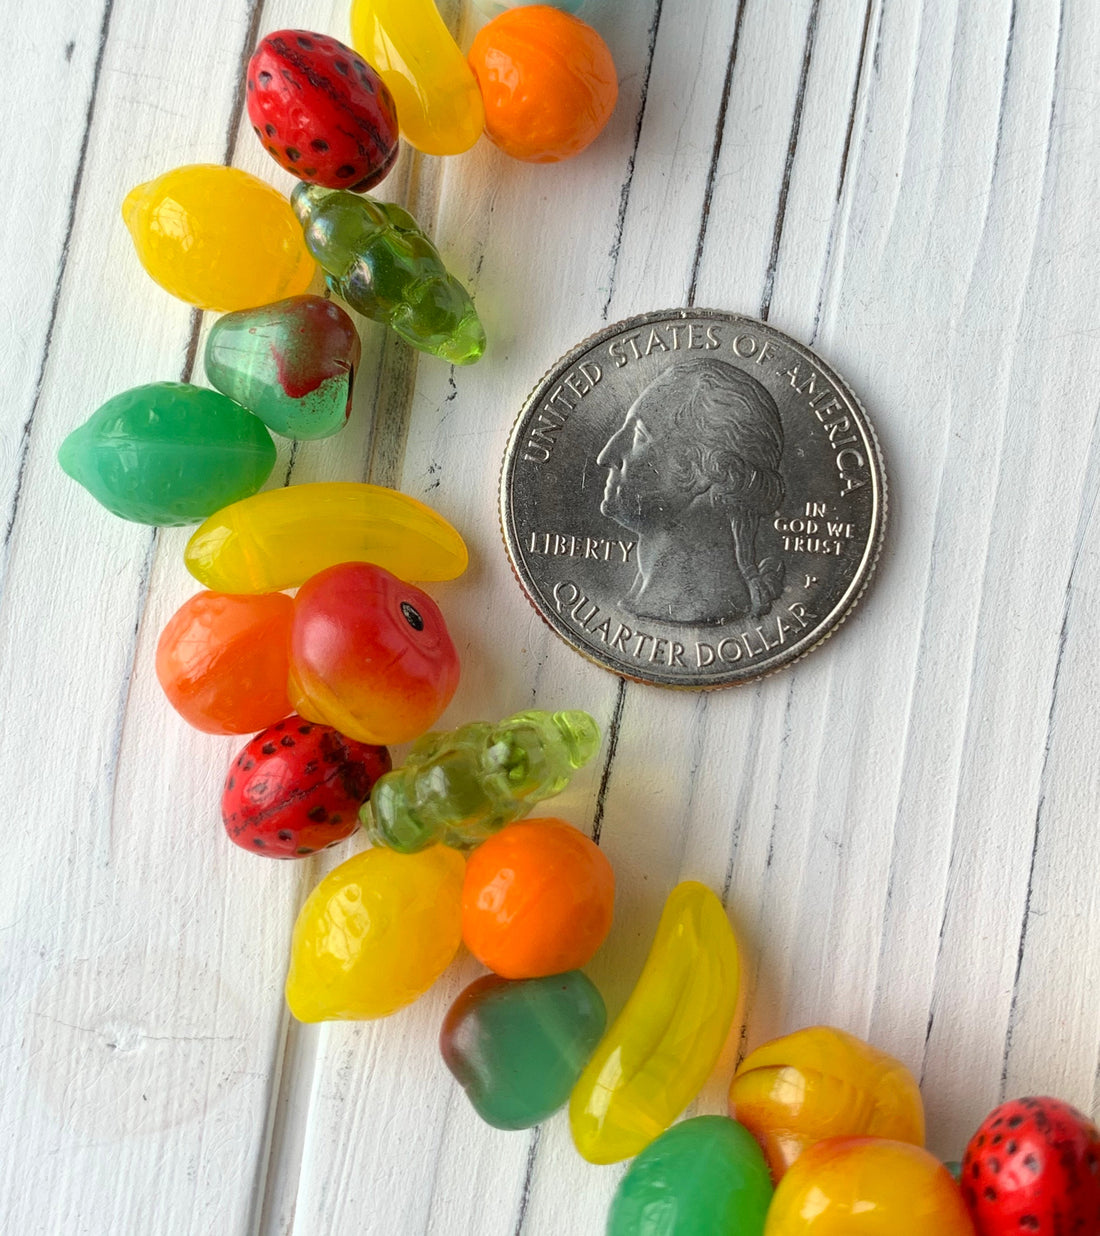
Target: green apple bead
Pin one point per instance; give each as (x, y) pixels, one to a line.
(704, 1177)
(168, 453)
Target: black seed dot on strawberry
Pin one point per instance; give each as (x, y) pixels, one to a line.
(257, 790)
(341, 67)
(305, 849)
(1031, 1163)
(336, 819)
(310, 768)
(1029, 1223)
(997, 1140)
(287, 740)
(995, 1166)
(1012, 1147)
(232, 783)
(268, 748)
(248, 764)
(317, 814)
(345, 170)
(975, 1170)
(304, 42)
(305, 729)
(308, 172)
(1015, 1122)
(264, 77)
(258, 842)
(293, 154)
(270, 130)
(284, 834)
(989, 1193)
(981, 1139)
(271, 150)
(319, 144)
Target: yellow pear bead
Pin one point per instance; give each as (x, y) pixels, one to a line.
(822, 1082)
(439, 107)
(375, 934)
(218, 238)
(280, 538)
(664, 1044)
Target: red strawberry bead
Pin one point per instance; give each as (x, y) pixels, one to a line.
(297, 788)
(1034, 1166)
(321, 111)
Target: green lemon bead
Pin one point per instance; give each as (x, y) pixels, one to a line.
(517, 1048)
(704, 1177)
(291, 363)
(168, 453)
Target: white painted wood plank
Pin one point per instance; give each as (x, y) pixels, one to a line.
(903, 824)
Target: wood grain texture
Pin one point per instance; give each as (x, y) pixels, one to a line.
(903, 826)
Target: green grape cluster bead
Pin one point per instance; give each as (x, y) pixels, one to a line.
(377, 259)
(460, 787)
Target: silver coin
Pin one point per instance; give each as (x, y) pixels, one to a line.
(692, 499)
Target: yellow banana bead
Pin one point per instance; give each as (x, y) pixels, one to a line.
(375, 934)
(218, 238)
(664, 1044)
(439, 107)
(280, 538)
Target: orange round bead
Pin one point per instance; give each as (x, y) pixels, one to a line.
(223, 661)
(537, 899)
(548, 82)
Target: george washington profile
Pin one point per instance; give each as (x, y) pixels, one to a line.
(691, 471)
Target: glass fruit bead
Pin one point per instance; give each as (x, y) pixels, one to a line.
(867, 1186)
(218, 238)
(292, 364)
(167, 453)
(321, 112)
(517, 1048)
(822, 1082)
(703, 1177)
(280, 538)
(369, 655)
(296, 788)
(438, 103)
(378, 260)
(222, 661)
(548, 82)
(375, 934)
(461, 787)
(664, 1044)
(537, 899)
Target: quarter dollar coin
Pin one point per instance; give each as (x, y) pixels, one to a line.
(692, 499)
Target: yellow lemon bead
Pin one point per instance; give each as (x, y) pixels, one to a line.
(867, 1186)
(375, 934)
(439, 107)
(280, 538)
(664, 1044)
(218, 237)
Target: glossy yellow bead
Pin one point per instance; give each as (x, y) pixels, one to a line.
(864, 1186)
(375, 934)
(439, 105)
(821, 1082)
(218, 237)
(664, 1044)
(280, 538)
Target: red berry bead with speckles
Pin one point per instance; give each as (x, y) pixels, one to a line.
(297, 788)
(321, 111)
(1034, 1167)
